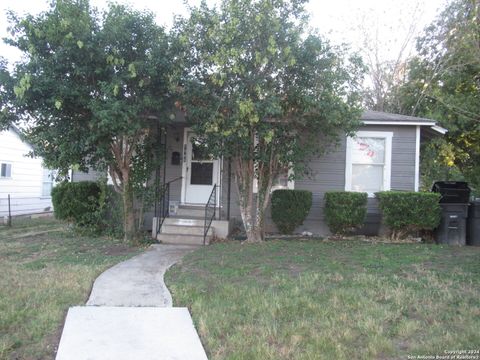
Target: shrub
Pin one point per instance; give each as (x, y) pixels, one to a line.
(290, 208)
(92, 206)
(345, 211)
(76, 201)
(110, 213)
(407, 212)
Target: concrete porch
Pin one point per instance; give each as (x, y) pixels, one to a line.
(187, 227)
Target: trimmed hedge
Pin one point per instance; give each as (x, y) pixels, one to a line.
(407, 212)
(76, 201)
(345, 211)
(290, 208)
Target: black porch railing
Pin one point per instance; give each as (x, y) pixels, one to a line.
(162, 206)
(210, 210)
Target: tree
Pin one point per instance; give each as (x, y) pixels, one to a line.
(91, 88)
(7, 114)
(262, 92)
(386, 58)
(444, 82)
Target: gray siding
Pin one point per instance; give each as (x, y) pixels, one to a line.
(328, 173)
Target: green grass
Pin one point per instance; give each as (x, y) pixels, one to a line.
(45, 269)
(330, 300)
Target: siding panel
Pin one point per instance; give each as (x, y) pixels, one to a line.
(25, 184)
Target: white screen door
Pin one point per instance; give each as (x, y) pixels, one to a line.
(201, 171)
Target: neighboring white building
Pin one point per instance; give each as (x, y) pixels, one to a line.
(22, 177)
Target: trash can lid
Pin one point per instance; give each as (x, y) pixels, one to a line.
(437, 185)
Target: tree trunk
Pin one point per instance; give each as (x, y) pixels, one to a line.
(253, 212)
(129, 228)
(120, 170)
(244, 175)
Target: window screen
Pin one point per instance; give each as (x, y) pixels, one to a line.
(5, 170)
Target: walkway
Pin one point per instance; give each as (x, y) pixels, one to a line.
(129, 315)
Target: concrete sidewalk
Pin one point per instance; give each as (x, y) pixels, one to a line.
(129, 315)
(129, 333)
(138, 281)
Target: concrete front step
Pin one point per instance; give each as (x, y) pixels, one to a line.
(174, 220)
(181, 239)
(191, 211)
(185, 229)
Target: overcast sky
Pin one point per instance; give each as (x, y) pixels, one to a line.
(385, 21)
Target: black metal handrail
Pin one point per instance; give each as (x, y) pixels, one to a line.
(162, 208)
(212, 200)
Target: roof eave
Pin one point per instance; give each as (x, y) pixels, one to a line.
(402, 123)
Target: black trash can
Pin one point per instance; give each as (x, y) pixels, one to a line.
(453, 225)
(473, 223)
(454, 203)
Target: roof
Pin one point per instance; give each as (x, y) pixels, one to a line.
(370, 117)
(18, 132)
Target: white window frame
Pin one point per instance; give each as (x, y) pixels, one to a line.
(387, 167)
(11, 168)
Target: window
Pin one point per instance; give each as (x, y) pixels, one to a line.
(280, 182)
(5, 170)
(47, 184)
(368, 163)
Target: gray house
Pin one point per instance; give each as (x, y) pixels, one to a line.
(384, 155)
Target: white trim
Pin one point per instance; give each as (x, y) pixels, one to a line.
(417, 158)
(184, 164)
(387, 167)
(432, 126)
(402, 123)
(439, 129)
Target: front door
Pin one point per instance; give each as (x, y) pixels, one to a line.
(200, 171)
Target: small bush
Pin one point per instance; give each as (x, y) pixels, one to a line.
(110, 212)
(76, 201)
(290, 208)
(407, 212)
(94, 207)
(345, 211)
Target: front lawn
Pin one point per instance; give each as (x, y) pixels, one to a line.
(45, 269)
(331, 300)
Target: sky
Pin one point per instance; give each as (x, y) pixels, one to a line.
(364, 24)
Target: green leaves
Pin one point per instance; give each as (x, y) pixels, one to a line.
(410, 211)
(23, 86)
(260, 90)
(132, 70)
(345, 211)
(443, 84)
